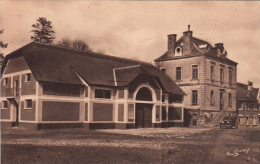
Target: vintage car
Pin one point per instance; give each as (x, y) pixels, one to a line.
(228, 122)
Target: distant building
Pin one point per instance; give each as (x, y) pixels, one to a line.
(46, 86)
(248, 107)
(204, 73)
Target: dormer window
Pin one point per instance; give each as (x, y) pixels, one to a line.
(178, 51)
(5, 81)
(28, 77)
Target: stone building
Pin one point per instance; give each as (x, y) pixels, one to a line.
(247, 103)
(47, 86)
(204, 73)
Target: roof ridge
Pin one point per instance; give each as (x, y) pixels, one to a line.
(93, 53)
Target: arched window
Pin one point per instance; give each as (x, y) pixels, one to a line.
(144, 94)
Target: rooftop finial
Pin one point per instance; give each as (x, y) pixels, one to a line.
(188, 27)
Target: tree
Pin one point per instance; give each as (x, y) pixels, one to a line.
(42, 31)
(80, 45)
(76, 44)
(2, 45)
(65, 42)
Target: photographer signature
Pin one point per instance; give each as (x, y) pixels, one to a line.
(236, 152)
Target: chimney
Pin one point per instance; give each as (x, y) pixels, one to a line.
(171, 44)
(218, 45)
(249, 88)
(221, 49)
(187, 42)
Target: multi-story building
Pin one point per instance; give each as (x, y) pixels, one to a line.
(247, 104)
(204, 73)
(47, 86)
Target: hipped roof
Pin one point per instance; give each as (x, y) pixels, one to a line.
(64, 65)
(195, 51)
(244, 94)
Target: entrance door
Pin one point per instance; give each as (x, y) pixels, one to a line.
(221, 101)
(144, 115)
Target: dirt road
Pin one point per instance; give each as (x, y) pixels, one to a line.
(172, 145)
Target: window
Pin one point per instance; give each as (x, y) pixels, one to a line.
(27, 77)
(221, 75)
(229, 99)
(4, 106)
(247, 120)
(240, 105)
(100, 93)
(5, 81)
(163, 70)
(212, 73)
(194, 97)
(230, 75)
(212, 98)
(195, 72)
(28, 104)
(178, 73)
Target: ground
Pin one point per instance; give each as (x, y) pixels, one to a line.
(171, 145)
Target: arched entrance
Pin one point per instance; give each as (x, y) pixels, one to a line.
(143, 112)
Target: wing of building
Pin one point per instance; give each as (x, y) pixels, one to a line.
(204, 73)
(248, 106)
(47, 86)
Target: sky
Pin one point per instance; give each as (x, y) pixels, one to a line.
(139, 29)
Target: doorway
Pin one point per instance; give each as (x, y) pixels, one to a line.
(221, 101)
(143, 115)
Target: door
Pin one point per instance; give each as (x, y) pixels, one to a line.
(16, 88)
(221, 101)
(144, 115)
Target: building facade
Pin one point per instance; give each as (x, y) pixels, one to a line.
(46, 86)
(247, 103)
(204, 73)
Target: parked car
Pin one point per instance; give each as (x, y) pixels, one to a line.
(228, 122)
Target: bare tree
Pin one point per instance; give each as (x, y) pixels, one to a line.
(65, 42)
(42, 31)
(80, 45)
(101, 51)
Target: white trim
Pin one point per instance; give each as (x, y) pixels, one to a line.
(25, 104)
(27, 121)
(149, 87)
(3, 75)
(26, 78)
(16, 73)
(102, 88)
(128, 67)
(2, 106)
(114, 74)
(61, 122)
(6, 120)
(81, 79)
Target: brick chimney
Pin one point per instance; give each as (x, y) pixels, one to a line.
(171, 44)
(187, 42)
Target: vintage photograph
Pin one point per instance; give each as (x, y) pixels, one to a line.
(153, 82)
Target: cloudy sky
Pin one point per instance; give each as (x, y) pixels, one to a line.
(139, 30)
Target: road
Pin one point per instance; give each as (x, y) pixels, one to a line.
(171, 145)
